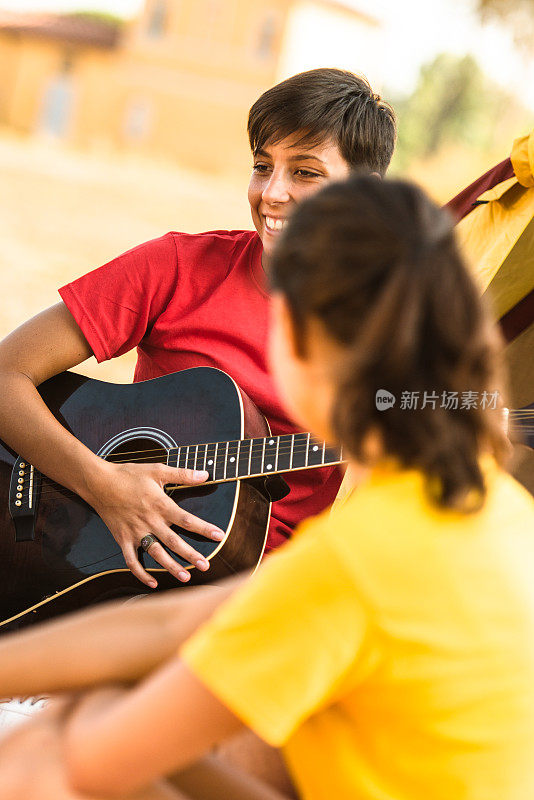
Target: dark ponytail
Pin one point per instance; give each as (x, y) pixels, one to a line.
(376, 262)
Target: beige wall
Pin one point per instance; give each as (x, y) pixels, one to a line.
(32, 65)
(9, 67)
(192, 87)
(183, 95)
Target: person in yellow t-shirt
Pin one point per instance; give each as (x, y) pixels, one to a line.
(388, 650)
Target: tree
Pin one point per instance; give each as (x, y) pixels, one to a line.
(454, 103)
(99, 16)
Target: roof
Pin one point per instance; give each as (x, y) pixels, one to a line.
(65, 27)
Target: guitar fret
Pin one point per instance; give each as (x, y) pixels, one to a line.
(256, 456)
(220, 461)
(211, 450)
(205, 456)
(283, 452)
(173, 456)
(300, 450)
(307, 450)
(277, 453)
(332, 455)
(243, 465)
(269, 454)
(215, 461)
(292, 449)
(231, 459)
(196, 456)
(315, 453)
(226, 459)
(324, 447)
(263, 458)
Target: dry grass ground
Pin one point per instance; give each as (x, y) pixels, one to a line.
(63, 213)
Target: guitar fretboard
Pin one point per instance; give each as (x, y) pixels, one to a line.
(246, 458)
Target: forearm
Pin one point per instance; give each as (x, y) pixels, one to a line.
(118, 742)
(44, 346)
(116, 643)
(29, 428)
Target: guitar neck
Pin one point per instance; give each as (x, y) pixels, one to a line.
(248, 458)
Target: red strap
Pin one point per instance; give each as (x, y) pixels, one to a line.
(464, 202)
(519, 318)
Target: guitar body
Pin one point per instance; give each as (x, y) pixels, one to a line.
(61, 556)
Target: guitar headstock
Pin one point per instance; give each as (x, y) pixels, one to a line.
(521, 424)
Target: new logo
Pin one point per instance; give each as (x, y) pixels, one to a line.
(384, 400)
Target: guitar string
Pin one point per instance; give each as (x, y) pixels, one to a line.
(516, 414)
(53, 486)
(258, 444)
(257, 450)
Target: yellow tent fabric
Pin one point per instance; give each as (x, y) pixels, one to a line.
(497, 237)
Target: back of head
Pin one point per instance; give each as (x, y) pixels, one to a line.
(377, 264)
(327, 104)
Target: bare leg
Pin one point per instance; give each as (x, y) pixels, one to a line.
(249, 754)
(160, 791)
(213, 779)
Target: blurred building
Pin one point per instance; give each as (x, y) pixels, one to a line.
(176, 82)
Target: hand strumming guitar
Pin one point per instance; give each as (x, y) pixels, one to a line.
(131, 500)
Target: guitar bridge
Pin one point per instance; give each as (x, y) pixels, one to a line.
(23, 499)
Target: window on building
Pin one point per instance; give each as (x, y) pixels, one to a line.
(267, 37)
(213, 14)
(57, 103)
(138, 119)
(157, 21)
(67, 63)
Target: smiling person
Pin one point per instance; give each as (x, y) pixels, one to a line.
(399, 630)
(189, 300)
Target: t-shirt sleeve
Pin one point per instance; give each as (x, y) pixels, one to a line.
(116, 304)
(281, 648)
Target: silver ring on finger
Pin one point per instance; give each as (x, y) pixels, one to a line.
(147, 542)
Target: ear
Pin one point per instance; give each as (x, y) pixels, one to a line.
(376, 175)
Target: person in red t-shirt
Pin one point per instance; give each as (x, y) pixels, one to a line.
(189, 300)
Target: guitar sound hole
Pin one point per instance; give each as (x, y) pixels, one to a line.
(139, 451)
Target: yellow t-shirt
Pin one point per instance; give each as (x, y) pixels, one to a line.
(389, 648)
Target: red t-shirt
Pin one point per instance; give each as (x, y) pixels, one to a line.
(191, 300)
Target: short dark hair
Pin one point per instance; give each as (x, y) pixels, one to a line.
(377, 264)
(327, 103)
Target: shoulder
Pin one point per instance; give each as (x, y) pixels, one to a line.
(218, 241)
(174, 246)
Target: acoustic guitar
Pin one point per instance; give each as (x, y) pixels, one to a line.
(56, 554)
